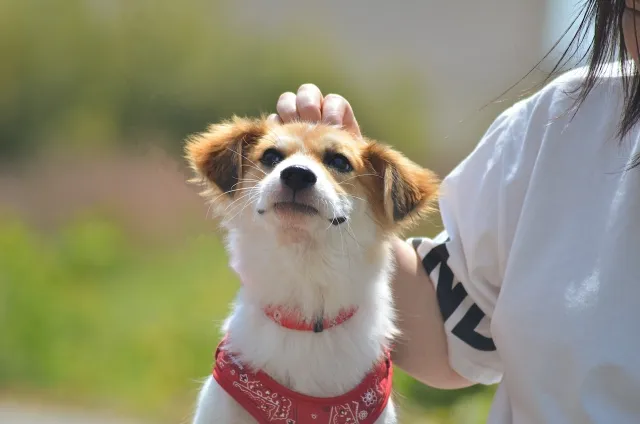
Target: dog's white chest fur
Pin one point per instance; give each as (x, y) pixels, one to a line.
(325, 364)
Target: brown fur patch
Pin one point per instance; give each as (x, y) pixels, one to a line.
(219, 154)
(402, 189)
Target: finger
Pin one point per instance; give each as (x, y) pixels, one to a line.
(349, 121)
(333, 109)
(336, 110)
(286, 107)
(275, 118)
(309, 103)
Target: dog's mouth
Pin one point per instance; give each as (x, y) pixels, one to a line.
(295, 207)
(290, 208)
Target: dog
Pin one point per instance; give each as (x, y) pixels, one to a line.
(308, 211)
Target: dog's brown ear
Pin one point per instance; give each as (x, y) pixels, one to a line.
(217, 154)
(402, 189)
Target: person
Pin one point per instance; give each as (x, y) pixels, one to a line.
(535, 281)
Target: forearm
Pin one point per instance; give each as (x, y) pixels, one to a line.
(421, 349)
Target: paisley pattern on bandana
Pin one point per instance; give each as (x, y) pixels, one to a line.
(270, 402)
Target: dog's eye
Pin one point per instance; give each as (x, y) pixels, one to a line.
(271, 157)
(338, 162)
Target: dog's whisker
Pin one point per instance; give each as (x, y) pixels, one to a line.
(353, 235)
(326, 203)
(212, 201)
(250, 166)
(238, 204)
(256, 168)
(239, 189)
(374, 219)
(355, 197)
(255, 165)
(236, 190)
(206, 216)
(247, 203)
(241, 205)
(339, 229)
(245, 180)
(361, 175)
(237, 200)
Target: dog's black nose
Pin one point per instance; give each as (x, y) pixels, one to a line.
(298, 177)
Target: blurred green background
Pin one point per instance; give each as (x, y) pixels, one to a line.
(112, 280)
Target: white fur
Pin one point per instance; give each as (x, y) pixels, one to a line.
(317, 267)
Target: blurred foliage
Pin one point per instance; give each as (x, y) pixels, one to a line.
(80, 74)
(93, 317)
(89, 317)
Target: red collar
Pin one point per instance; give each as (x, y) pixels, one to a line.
(294, 320)
(270, 402)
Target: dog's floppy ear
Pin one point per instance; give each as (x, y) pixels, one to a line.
(402, 189)
(217, 155)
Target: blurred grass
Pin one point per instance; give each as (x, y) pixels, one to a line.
(88, 316)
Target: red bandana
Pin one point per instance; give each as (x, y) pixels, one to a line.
(270, 402)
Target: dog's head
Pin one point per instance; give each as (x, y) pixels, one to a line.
(303, 181)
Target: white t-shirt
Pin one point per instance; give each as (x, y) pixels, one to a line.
(538, 271)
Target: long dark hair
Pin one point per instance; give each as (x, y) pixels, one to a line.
(605, 45)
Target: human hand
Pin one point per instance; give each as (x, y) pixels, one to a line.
(308, 104)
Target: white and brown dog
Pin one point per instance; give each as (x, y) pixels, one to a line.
(309, 211)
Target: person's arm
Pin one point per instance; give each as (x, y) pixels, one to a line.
(421, 349)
